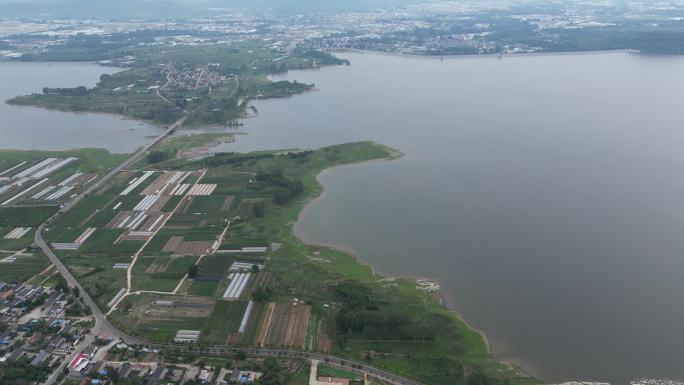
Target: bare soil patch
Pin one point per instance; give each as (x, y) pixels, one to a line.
(193, 247)
(278, 327)
(173, 243)
(227, 203)
(297, 326)
(323, 340)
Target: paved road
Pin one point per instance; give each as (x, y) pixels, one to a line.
(103, 326)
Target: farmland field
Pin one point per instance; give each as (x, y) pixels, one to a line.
(165, 330)
(289, 325)
(224, 320)
(24, 267)
(15, 244)
(306, 297)
(160, 323)
(209, 203)
(25, 216)
(160, 273)
(96, 275)
(159, 241)
(251, 335)
(212, 271)
(90, 159)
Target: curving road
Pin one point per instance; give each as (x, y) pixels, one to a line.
(101, 323)
(103, 326)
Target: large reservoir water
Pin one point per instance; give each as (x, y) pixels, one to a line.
(545, 193)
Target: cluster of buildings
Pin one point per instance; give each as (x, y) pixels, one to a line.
(90, 372)
(39, 332)
(644, 381)
(427, 285)
(35, 327)
(450, 27)
(14, 298)
(190, 78)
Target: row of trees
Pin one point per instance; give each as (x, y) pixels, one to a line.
(226, 158)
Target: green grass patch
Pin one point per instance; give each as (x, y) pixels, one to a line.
(205, 233)
(172, 203)
(207, 204)
(224, 320)
(329, 371)
(89, 159)
(25, 216)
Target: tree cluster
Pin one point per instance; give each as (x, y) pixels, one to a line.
(193, 270)
(259, 209)
(322, 58)
(21, 372)
(287, 188)
(273, 374)
(363, 316)
(157, 156)
(75, 91)
(262, 294)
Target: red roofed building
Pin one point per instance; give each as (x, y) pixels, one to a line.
(78, 364)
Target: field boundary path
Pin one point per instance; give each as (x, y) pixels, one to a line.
(103, 326)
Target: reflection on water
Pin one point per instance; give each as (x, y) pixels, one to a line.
(35, 128)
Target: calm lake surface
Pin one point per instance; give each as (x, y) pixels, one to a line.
(25, 128)
(545, 193)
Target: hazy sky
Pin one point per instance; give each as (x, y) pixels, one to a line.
(180, 8)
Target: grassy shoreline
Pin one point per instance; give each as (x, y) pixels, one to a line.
(396, 154)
